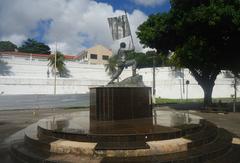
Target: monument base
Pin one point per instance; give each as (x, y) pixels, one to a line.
(120, 103)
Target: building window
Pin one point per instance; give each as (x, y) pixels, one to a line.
(93, 56)
(105, 57)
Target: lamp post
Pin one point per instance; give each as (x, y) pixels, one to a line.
(235, 94)
(153, 56)
(55, 71)
(154, 78)
(187, 83)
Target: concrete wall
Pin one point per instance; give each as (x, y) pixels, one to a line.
(24, 76)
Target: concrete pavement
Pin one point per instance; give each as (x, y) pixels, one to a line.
(15, 102)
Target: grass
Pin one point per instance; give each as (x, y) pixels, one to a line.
(197, 100)
(75, 107)
(177, 101)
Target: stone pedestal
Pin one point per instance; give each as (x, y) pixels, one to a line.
(120, 103)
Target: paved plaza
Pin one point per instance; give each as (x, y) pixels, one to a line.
(12, 121)
(16, 102)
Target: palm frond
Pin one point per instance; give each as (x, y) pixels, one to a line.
(60, 65)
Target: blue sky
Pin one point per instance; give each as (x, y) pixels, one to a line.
(42, 27)
(130, 5)
(74, 24)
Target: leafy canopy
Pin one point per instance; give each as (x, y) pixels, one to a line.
(144, 60)
(33, 46)
(111, 66)
(7, 46)
(203, 34)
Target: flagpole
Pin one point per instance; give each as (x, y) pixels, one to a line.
(130, 30)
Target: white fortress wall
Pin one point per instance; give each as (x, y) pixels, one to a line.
(22, 76)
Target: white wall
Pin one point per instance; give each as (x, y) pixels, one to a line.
(23, 76)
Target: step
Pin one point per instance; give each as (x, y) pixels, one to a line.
(59, 146)
(233, 156)
(221, 145)
(207, 134)
(121, 145)
(197, 155)
(25, 155)
(163, 133)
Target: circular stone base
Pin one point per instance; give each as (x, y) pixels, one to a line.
(163, 126)
(168, 136)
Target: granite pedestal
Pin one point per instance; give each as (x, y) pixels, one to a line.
(120, 103)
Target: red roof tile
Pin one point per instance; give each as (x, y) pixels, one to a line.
(68, 57)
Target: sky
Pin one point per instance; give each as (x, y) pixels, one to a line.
(73, 24)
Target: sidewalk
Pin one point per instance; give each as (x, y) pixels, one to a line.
(16, 102)
(12, 121)
(229, 121)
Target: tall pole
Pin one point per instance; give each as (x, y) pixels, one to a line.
(235, 94)
(154, 87)
(180, 84)
(187, 84)
(55, 71)
(130, 30)
(154, 79)
(183, 79)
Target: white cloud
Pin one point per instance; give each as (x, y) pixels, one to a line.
(75, 25)
(15, 38)
(149, 2)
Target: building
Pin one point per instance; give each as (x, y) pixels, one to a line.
(95, 55)
(31, 57)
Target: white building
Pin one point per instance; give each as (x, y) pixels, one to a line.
(95, 55)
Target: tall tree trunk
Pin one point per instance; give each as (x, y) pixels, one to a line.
(207, 81)
(207, 89)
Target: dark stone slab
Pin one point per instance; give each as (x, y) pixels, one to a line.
(130, 135)
(120, 103)
(121, 145)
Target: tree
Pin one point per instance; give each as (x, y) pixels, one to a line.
(62, 71)
(7, 46)
(5, 69)
(202, 34)
(110, 67)
(33, 46)
(145, 60)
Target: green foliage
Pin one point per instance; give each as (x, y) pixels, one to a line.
(194, 100)
(110, 67)
(177, 101)
(35, 47)
(155, 33)
(62, 71)
(7, 46)
(145, 60)
(203, 35)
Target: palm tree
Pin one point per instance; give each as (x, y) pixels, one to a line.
(62, 71)
(110, 67)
